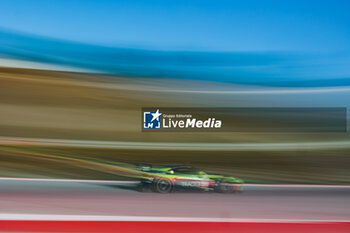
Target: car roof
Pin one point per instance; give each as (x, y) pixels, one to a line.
(173, 166)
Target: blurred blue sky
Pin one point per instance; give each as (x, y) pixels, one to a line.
(254, 42)
(221, 25)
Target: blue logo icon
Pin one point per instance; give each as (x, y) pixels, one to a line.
(151, 120)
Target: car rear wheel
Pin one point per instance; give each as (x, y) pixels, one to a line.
(163, 186)
(227, 187)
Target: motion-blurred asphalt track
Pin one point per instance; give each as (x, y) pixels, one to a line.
(121, 199)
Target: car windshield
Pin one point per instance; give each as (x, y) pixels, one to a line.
(186, 170)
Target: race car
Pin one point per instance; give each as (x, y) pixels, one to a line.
(166, 179)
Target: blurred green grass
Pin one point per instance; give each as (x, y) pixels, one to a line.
(308, 167)
(63, 105)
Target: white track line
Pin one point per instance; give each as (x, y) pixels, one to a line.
(67, 180)
(298, 185)
(135, 182)
(55, 217)
(263, 146)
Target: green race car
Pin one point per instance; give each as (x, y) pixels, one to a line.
(165, 179)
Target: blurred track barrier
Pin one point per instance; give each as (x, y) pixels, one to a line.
(131, 224)
(14, 141)
(117, 182)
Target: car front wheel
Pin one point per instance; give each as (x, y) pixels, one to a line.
(163, 186)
